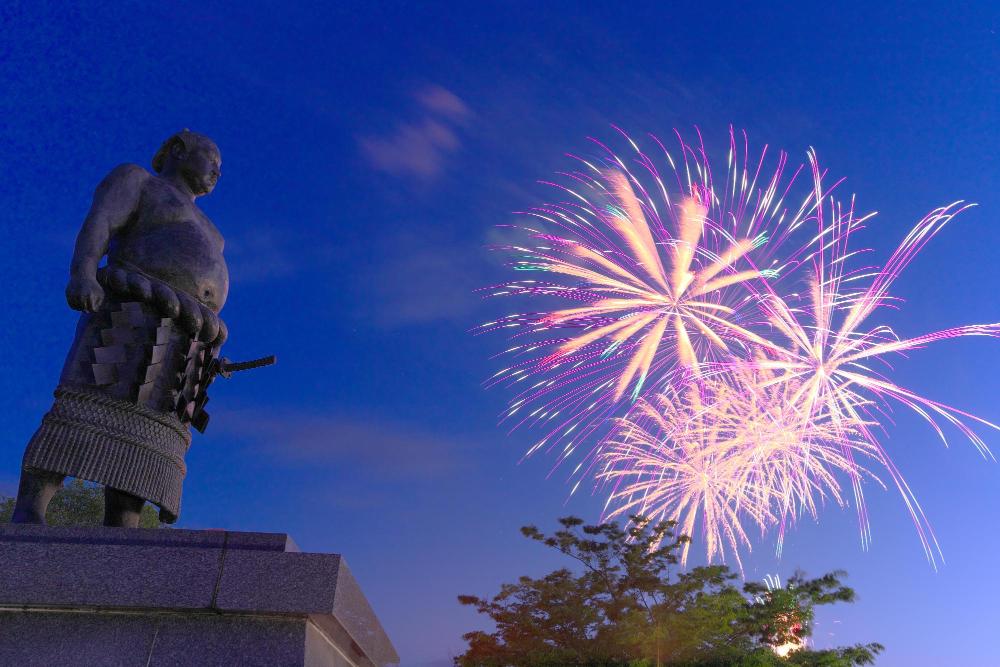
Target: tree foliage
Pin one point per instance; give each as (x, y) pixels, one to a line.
(627, 603)
(78, 503)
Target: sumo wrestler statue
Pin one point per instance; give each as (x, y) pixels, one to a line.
(147, 344)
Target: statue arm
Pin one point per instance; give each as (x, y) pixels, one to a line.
(115, 202)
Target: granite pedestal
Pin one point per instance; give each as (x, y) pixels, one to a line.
(151, 598)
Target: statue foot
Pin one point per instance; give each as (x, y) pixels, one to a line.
(121, 509)
(34, 492)
(23, 515)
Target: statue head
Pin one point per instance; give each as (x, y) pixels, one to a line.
(192, 157)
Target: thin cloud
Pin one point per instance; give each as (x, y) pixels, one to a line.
(423, 279)
(436, 99)
(264, 253)
(373, 446)
(418, 148)
(260, 254)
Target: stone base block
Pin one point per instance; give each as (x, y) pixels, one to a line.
(153, 598)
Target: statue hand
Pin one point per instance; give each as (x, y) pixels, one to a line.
(84, 294)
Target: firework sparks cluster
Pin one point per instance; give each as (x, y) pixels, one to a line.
(708, 345)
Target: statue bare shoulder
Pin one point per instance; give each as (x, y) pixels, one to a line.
(115, 202)
(118, 195)
(156, 225)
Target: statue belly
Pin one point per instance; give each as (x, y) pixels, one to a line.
(181, 255)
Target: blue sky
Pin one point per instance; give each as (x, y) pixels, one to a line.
(370, 148)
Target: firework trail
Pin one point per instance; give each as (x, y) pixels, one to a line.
(707, 392)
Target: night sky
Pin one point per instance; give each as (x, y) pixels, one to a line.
(370, 149)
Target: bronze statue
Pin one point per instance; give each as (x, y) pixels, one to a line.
(147, 343)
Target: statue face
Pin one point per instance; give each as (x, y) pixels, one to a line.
(201, 167)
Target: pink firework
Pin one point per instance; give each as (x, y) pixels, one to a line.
(704, 391)
(720, 453)
(827, 349)
(657, 269)
(767, 438)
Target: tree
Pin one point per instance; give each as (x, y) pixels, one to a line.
(78, 503)
(629, 605)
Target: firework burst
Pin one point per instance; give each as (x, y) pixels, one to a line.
(658, 283)
(706, 392)
(723, 452)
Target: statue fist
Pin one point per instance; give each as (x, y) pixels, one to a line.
(84, 294)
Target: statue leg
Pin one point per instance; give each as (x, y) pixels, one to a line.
(33, 495)
(121, 509)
